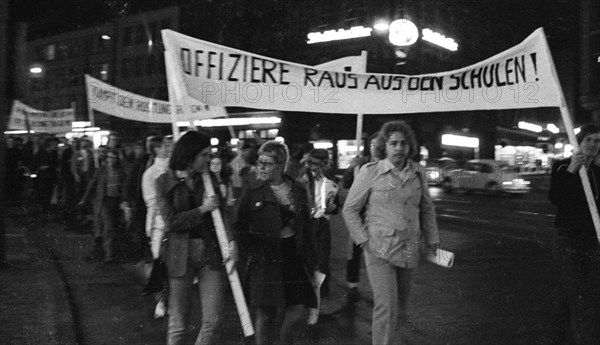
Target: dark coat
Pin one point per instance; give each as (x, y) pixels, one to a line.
(573, 217)
(97, 188)
(181, 217)
(257, 227)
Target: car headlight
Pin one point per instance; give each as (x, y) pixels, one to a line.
(434, 174)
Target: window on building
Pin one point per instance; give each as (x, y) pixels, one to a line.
(140, 34)
(62, 51)
(126, 68)
(151, 64)
(128, 36)
(139, 66)
(50, 52)
(104, 72)
(88, 45)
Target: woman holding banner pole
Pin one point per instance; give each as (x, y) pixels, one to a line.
(576, 248)
(192, 246)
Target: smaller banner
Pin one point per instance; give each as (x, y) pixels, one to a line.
(53, 121)
(113, 101)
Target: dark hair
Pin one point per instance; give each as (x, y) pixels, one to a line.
(114, 152)
(367, 145)
(187, 148)
(386, 131)
(586, 130)
(155, 143)
(320, 154)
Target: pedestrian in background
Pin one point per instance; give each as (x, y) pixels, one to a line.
(274, 231)
(389, 212)
(107, 188)
(135, 207)
(161, 148)
(576, 248)
(324, 194)
(192, 245)
(354, 250)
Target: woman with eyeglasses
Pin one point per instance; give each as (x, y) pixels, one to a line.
(273, 228)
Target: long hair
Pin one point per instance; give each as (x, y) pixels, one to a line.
(187, 148)
(386, 131)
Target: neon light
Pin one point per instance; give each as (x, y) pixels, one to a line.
(440, 40)
(80, 124)
(35, 70)
(552, 128)
(381, 26)
(529, 126)
(459, 140)
(340, 34)
(238, 121)
(18, 132)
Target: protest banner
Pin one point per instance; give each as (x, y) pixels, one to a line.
(223, 76)
(523, 76)
(113, 101)
(24, 117)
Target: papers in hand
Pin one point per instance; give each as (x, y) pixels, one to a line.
(442, 258)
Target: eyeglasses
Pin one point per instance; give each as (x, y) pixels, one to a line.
(265, 164)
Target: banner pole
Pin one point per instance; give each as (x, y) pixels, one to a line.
(232, 274)
(359, 117)
(91, 116)
(171, 92)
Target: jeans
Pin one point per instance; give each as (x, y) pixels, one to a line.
(353, 263)
(211, 287)
(391, 289)
(106, 226)
(323, 250)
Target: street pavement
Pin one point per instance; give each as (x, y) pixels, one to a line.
(50, 294)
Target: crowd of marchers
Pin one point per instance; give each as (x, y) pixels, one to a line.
(154, 199)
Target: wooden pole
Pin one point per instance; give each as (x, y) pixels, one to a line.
(172, 98)
(359, 117)
(232, 274)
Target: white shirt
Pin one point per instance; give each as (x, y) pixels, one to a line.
(153, 218)
(325, 189)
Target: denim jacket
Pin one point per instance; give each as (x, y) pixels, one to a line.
(399, 213)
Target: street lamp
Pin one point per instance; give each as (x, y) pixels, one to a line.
(403, 33)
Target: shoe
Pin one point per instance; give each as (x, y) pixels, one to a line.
(161, 310)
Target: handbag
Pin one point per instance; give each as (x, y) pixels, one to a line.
(158, 277)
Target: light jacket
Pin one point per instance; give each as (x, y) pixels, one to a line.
(398, 212)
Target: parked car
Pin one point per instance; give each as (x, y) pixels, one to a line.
(437, 169)
(488, 175)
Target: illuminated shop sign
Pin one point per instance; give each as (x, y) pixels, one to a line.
(459, 140)
(529, 126)
(440, 40)
(340, 34)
